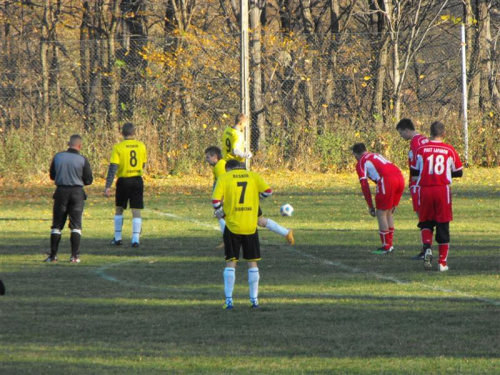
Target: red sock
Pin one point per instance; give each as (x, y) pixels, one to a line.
(443, 253)
(426, 235)
(384, 237)
(390, 237)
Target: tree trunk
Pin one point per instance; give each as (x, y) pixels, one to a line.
(307, 82)
(134, 40)
(44, 59)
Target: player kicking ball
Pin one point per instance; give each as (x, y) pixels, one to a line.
(390, 187)
(436, 164)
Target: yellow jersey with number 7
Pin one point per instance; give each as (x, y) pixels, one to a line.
(130, 155)
(239, 190)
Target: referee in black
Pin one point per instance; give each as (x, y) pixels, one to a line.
(70, 172)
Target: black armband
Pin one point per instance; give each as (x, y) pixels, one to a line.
(458, 173)
(414, 172)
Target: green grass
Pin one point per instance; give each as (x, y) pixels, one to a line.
(328, 305)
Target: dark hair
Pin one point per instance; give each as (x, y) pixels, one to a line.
(437, 129)
(74, 140)
(405, 124)
(214, 150)
(358, 148)
(233, 164)
(128, 129)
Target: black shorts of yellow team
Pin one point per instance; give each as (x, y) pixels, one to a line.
(260, 213)
(130, 190)
(249, 243)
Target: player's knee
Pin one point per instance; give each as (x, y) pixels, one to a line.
(430, 224)
(262, 222)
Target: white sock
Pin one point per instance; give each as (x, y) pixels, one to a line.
(276, 228)
(253, 283)
(229, 279)
(136, 229)
(222, 224)
(118, 227)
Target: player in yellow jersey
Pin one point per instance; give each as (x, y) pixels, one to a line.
(128, 160)
(236, 195)
(233, 147)
(213, 157)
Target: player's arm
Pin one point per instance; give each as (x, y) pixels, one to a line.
(52, 170)
(112, 169)
(365, 188)
(217, 197)
(456, 167)
(87, 173)
(238, 150)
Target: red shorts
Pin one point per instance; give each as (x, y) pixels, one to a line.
(389, 191)
(435, 204)
(414, 192)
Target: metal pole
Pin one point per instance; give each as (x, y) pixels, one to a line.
(245, 74)
(464, 98)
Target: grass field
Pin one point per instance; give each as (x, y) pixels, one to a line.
(327, 304)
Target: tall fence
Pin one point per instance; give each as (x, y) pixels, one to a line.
(311, 97)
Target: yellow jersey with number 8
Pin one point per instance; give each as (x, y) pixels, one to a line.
(130, 155)
(239, 190)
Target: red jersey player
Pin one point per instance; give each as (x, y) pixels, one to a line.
(406, 130)
(436, 164)
(390, 187)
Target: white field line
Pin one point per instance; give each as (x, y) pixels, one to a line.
(101, 271)
(177, 217)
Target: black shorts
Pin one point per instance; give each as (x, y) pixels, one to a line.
(260, 213)
(130, 189)
(234, 242)
(68, 201)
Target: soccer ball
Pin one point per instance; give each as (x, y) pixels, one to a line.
(286, 210)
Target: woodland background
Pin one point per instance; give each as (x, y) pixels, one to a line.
(324, 75)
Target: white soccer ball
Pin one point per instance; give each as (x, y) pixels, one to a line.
(286, 210)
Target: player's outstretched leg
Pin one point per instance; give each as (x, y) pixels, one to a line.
(2, 288)
(276, 228)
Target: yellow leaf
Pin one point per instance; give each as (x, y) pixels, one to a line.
(421, 76)
(204, 126)
(367, 78)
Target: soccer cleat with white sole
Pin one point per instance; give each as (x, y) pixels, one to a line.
(74, 259)
(116, 242)
(442, 268)
(428, 259)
